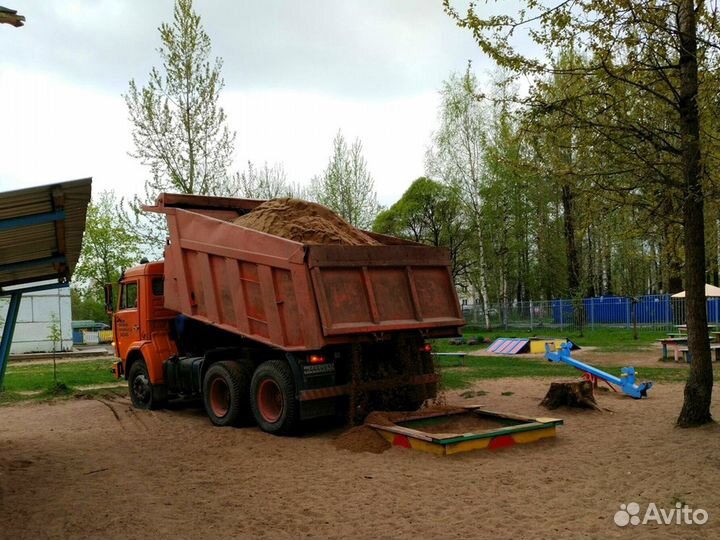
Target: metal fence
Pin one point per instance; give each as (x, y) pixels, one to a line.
(651, 312)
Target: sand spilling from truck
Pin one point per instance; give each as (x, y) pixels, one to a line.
(305, 222)
(365, 439)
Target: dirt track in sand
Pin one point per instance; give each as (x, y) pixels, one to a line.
(84, 469)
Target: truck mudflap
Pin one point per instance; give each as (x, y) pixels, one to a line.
(382, 384)
(117, 370)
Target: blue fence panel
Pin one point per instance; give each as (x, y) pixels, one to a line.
(713, 307)
(562, 312)
(659, 312)
(654, 309)
(617, 310)
(606, 310)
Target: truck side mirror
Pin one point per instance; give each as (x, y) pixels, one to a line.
(109, 303)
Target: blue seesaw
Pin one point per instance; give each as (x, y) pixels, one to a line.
(626, 381)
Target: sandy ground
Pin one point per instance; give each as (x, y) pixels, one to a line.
(98, 469)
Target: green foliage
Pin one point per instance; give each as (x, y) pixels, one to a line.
(419, 213)
(346, 186)
(55, 335)
(430, 213)
(54, 331)
(644, 93)
(110, 244)
(512, 222)
(88, 305)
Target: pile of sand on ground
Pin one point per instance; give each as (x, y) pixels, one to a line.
(305, 222)
(365, 439)
(362, 439)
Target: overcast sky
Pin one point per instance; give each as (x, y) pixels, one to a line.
(295, 73)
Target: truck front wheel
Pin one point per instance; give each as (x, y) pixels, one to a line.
(272, 397)
(226, 393)
(142, 392)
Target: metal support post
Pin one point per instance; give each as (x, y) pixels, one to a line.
(7, 334)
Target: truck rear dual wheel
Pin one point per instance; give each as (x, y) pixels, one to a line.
(272, 398)
(226, 393)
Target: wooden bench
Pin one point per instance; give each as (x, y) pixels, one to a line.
(714, 353)
(460, 355)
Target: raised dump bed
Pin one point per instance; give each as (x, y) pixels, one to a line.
(298, 296)
(452, 432)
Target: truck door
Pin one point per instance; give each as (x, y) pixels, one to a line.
(127, 319)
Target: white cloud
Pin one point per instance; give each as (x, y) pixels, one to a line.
(298, 128)
(55, 130)
(295, 72)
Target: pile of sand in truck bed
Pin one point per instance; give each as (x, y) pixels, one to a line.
(305, 222)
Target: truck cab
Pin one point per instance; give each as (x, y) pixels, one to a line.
(142, 326)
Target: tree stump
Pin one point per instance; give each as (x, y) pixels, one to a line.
(577, 394)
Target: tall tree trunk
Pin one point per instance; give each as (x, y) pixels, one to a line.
(573, 260)
(591, 274)
(504, 299)
(698, 390)
(672, 266)
(483, 281)
(607, 261)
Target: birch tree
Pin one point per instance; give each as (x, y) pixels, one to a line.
(346, 186)
(266, 182)
(457, 158)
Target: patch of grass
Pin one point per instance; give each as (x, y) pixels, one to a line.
(497, 367)
(617, 339)
(605, 339)
(507, 393)
(39, 377)
(53, 391)
(8, 398)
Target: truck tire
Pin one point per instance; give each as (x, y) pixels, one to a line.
(226, 393)
(272, 398)
(143, 394)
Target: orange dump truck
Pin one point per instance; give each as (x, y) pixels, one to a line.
(280, 331)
